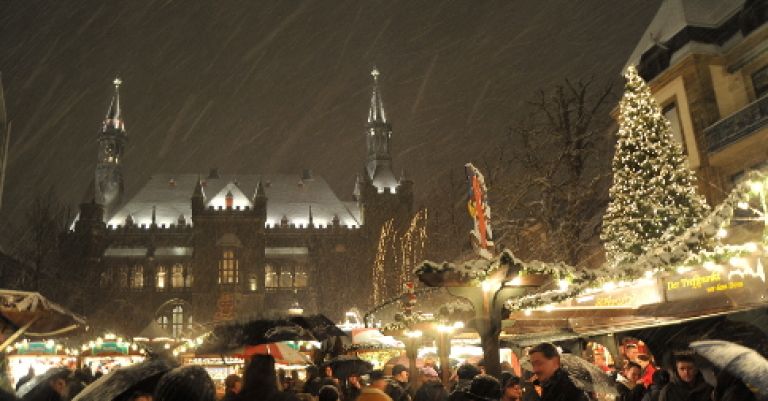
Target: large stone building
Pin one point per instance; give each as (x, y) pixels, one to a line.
(707, 64)
(204, 247)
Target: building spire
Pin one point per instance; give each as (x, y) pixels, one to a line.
(114, 118)
(376, 111)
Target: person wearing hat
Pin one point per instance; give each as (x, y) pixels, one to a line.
(397, 387)
(374, 391)
(484, 388)
(512, 389)
(432, 389)
(353, 386)
(466, 372)
(185, 383)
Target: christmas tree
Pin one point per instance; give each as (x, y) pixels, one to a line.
(653, 197)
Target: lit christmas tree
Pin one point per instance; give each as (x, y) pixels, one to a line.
(653, 196)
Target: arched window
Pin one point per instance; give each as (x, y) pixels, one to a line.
(163, 321)
(177, 321)
(270, 277)
(300, 276)
(137, 277)
(105, 279)
(177, 275)
(252, 282)
(286, 278)
(160, 278)
(122, 273)
(188, 278)
(228, 267)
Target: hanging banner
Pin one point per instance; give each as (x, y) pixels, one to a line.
(477, 205)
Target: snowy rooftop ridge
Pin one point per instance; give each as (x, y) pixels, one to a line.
(288, 197)
(674, 15)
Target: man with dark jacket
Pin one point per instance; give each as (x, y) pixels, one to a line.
(466, 372)
(687, 383)
(432, 389)
(629, 385)
(555, 383)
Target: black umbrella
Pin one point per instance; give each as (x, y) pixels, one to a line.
(36, 383)
(228, 337)
(118, 381)
(320, 326)
(741, 362)
(345, 365)
(582, 373)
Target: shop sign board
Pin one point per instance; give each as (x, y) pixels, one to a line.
(744, 282)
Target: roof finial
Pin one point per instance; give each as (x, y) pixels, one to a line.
(117, 82)
(114, 117)
(375, 73)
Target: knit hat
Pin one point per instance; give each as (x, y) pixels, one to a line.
(399, 368)
(429, 372)
(484, 388)
(186, 383)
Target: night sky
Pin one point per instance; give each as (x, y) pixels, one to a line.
(265, 86)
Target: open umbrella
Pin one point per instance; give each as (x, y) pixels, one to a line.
(282, 353)
(120, 380)
(31, 314)
(741, 362)
(345, 365)
(232, 337)
(36, 383)
(582, 373)
(320, 326)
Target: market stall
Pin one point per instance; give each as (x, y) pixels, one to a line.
(37, 357)
(108, 353)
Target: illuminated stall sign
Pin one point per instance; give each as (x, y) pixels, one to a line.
(744, 282)
(37, 348)
(629, 297)
(110, 348)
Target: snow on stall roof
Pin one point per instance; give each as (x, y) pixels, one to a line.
(674, 15)
(287, 195)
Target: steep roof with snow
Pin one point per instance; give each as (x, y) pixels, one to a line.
(288, 195)
(674, 15)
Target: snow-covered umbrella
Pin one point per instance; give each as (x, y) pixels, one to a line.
(282, 353)
(345, 365)
(582, 373)
(142, 375)
(741, 362)
(32, 314)
(319, 325)
(38, 382)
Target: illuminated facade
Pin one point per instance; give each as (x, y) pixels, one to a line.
(191, 249)
(707, 65)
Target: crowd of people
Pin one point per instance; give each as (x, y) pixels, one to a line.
(548, 381)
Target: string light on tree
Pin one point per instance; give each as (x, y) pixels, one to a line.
(653, 197)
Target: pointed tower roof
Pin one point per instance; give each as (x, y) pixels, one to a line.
(260, 190)
(114, 118)
(199, 189)
(376, 110)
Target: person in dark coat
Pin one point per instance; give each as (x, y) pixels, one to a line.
(313, 383)
(484, 388)
(432, 389)
(328, 393)
(729, 388)
(396, 392)
(554, 381)
(186, 383)
(686, 383)
(659, 380)
(260, 382)
(232, 386)
(353, 387)
(55, 389)
(466, 372)
(630, 386)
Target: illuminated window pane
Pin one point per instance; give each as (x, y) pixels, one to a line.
(270, 277)
(252, 282)
(137, 277)
(300, 277)
(228, 267)
(286, 278)
(160, 277)
(177, 276)
(177, 321)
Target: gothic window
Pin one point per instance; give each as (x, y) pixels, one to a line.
(105, 279)
(177, 321)
(177, 275)
(163, 321)
(270, 277)
(137, 277)
(673, 116)
(300, 276)
(252, 282)
(228, 267)
(188, 278)
(286, 276)
(122, 278)
(160, 278)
